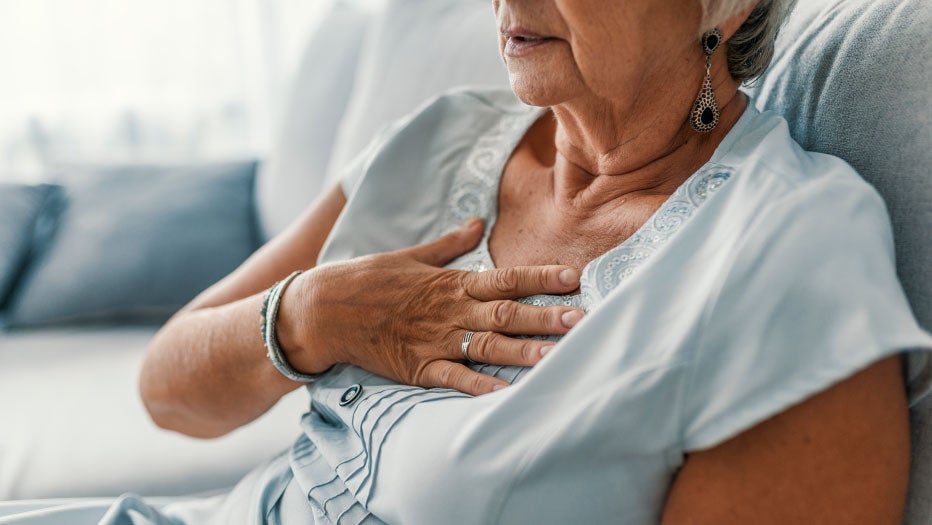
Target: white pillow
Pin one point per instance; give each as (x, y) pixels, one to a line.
(417, 49)
(293, 175)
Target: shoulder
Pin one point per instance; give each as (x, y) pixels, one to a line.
(398, 189)
(440, 128)
(793, 211)
(806, 292)
(764, 145)
(783, 184)
(451, 119)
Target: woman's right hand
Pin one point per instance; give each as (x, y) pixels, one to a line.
(403, 316)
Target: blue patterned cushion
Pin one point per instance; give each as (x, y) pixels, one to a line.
(137, 243)
(20, 207)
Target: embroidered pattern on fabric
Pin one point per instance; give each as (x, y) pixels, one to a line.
(476, 184)
(607, 271)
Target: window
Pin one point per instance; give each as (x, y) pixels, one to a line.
(142, 80)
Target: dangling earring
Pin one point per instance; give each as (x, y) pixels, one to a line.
(704, 115)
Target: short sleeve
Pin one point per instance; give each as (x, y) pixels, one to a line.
(811, 298)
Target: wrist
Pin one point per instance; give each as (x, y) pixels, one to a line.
(295, 328)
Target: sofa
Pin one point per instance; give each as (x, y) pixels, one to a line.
(106, 253)
(851, 76)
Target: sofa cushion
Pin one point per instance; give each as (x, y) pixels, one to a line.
(294, 172)
(418, 49)
(852, 79)
(73, 424)
(20, 207)
(137, 243)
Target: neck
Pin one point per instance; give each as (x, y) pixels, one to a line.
(602, 155)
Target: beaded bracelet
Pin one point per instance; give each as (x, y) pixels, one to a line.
(269, 314)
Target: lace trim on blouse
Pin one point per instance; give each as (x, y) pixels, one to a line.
(475, 191)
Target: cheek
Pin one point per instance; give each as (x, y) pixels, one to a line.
(610, 68)
(624, 69)
(623, 46)
(609, 50)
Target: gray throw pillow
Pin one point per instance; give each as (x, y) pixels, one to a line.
(20, 207)
(134, 244)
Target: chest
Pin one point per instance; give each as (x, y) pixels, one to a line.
(531, 228)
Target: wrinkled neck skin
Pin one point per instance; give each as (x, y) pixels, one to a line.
(606, 152)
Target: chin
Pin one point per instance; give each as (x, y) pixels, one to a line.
(542, 90)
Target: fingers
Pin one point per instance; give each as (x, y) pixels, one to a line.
(497, 349)
(447, 374)
(521, 281)
(450, 246)
(512, 317)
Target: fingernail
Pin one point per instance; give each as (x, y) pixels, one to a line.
(571, 318)
(496, 388)
(545, 350)
(569, 277)
(472, 223)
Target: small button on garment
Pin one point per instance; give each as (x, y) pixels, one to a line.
(350, 394)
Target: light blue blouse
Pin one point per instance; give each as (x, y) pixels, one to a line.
(765, 278)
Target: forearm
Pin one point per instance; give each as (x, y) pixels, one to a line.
(206, 372)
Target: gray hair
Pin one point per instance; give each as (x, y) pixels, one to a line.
(750, 50)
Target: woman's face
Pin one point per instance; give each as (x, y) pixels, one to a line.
(623, 51)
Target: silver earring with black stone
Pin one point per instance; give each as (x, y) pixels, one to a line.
(705, 114)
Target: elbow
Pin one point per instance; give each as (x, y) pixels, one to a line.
(166, 406)
(171, 421)
(164, 417)
(163, 411)
(155, 396)
(168, 414)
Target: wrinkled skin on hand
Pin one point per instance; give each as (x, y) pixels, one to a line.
(403, 316)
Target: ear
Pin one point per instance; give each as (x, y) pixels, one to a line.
(730, 26)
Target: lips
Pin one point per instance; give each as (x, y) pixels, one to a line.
(521, 42)
(522, 38)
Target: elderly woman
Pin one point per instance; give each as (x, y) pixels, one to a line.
(734, 329)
